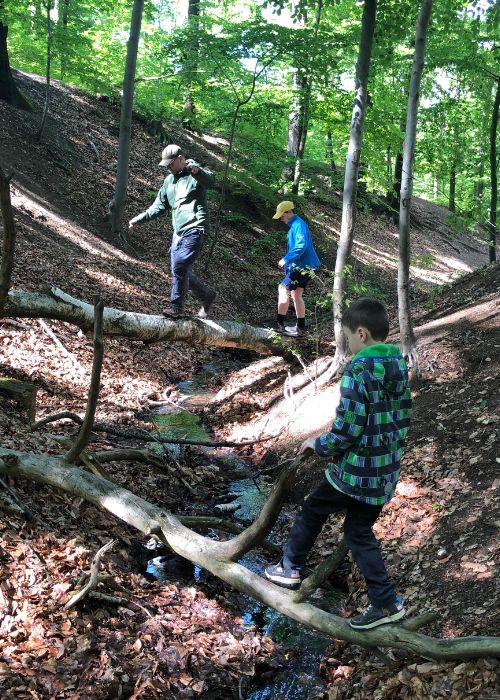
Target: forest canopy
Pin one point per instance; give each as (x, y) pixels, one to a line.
(197, 63)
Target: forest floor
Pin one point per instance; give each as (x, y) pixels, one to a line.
(439, 534)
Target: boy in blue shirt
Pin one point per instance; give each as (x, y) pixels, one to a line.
(365, 444)
(299, 263)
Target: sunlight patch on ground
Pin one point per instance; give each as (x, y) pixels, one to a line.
(471, 313)
(307, 413)
(80, 237)
(112, 282)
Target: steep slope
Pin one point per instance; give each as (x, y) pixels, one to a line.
(439, 533)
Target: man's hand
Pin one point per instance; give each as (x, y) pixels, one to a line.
(132, 223)
(281, 263)
(307, 446)
(193, 169)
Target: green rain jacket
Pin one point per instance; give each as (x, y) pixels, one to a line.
(185, 195)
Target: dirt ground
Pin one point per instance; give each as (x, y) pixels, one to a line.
(439, 534)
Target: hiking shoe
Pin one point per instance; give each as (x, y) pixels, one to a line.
(205, 307)
(294, 331)
(373, 617)
(172, 311)
(283, 575)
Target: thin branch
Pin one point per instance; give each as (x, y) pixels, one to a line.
(321, 573)
(94, 575)
(144, 435)
(234, 549)
(55, 417)
(27, 514)
(46, 329)
(84, 435)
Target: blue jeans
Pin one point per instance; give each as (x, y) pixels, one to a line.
(183, 254)
(358, 535)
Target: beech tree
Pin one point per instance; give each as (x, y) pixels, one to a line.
(9, 91)
(118, 202)
(351, 178)
(404, 308)
(493, 174)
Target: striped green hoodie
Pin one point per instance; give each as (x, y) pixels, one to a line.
(370, 426)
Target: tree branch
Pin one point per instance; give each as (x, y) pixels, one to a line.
(84, 435)
(234, 549)
(321, 573)
(94, 576)
(210, 555)
(149, 329)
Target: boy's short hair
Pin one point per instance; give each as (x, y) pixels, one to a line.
(369, 313)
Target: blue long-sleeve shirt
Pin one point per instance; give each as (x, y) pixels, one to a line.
(300, 253)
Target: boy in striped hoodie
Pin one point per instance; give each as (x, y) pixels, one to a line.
(365, 445)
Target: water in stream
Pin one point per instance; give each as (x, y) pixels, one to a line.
(299, 679)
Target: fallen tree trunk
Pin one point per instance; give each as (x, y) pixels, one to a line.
(56, 304)
(214, 557)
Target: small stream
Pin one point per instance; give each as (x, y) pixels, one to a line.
(299, 679)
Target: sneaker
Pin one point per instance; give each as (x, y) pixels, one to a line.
(373, 617)
(172, 311)
(294, 331)
(277, 327)
(205, 307)
(283, 575)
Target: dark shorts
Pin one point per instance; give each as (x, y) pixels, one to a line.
(296, 278)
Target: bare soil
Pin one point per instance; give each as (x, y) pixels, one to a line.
(439, 534)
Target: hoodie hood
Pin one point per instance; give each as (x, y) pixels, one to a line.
(386, 367)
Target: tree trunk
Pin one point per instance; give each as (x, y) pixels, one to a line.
(63, 28)
(220, 558)
(9, 239)
(295, 121)
(395, 193)
(56, 304)
(305, 101)
(453, 181)
(330, 158)
(493, 175)
(351, 177)
(8, 89)
(191, 61)
(47, 73)
(118, 202)
(405, 325)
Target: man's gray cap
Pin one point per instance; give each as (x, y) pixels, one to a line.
(169, 154)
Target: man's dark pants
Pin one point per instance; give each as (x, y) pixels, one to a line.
(183, 254)
(358, 535)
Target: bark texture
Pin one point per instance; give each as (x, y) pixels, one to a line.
(56, 304)
(351, 177)
(212, 556)
(404, 308)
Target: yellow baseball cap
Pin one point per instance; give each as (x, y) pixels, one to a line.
(282, 208)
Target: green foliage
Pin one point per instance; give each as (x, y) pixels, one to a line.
(237, 218)
(266, 246)
(359, 283)
(235, 48)
(425, 261)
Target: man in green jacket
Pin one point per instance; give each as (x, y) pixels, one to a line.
(184, 192)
